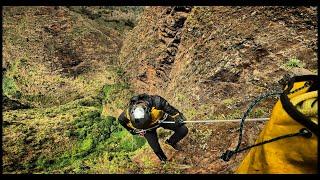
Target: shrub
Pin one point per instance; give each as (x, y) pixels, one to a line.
(294, 62)
(9, 86)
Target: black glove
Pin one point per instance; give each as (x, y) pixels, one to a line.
(179, 120)
(133, 132)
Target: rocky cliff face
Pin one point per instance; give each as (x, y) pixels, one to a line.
(211, 62)
(151, 63)
(198, 56)
(68, 70)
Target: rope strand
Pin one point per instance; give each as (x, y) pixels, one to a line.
(229, 153)
(217, 120)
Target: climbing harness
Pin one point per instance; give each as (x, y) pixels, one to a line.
(303, 132)
(138, 131)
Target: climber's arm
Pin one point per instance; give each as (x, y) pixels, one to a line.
(162, 104)
(123, 120)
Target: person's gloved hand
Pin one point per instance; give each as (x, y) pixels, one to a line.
(179, 120)
(133, 132)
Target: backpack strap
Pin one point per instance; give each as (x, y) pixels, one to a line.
(292, 110)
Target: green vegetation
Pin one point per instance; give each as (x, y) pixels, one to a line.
(9, 86)
(228, 102)
(294, 62)
(180, 97)
(84, 140)
(115, 97)
(191, 113)
(95, 137)
(260, 112)
(202, 136)
(118, 18)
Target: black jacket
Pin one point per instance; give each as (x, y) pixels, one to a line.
(155, 101)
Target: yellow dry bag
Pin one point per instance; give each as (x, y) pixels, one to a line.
(295, 116)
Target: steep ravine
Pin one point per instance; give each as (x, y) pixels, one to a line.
(69, 72)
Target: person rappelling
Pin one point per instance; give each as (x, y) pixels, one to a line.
(146, 113)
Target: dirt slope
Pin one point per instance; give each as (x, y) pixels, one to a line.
(202, 149)
(53, 55)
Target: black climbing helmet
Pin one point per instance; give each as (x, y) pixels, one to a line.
(140, 115)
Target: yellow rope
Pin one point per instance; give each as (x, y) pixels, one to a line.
(304, 103)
